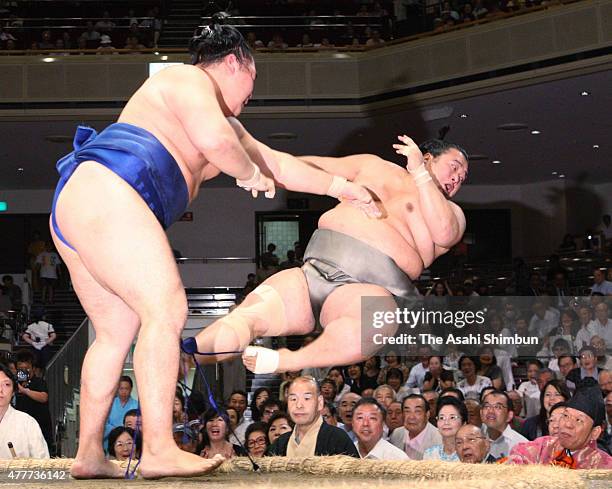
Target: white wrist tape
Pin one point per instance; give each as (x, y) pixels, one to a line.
(251, 182)
(336, 187)
(421, 175)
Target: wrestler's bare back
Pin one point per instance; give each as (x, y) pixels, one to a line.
(153, 107)
(402, 232)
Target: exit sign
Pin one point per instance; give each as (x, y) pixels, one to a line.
(3, 206)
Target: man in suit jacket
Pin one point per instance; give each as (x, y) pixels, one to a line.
(311, 435)
(417, 434)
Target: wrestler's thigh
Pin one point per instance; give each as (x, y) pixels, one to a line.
(346, 302)
(292, 287)
(112, 318)
(120, 242)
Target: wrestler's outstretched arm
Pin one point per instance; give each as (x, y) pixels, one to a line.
(195, 105)
(299, 176)
(444, 219)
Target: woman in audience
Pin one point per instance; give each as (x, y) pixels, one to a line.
(336, 374)
(256, 437)
(355, 377)
(488, 368)
(392, 361)
(215, 437)
(371, 369)
(261, 395)
(121, 444)
(395, 379)
(280, 423)
(451, 414)
(554, 392)
(472, 382)
(431, 380)
(329, 390)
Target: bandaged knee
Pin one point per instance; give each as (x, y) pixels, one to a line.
(268, 313)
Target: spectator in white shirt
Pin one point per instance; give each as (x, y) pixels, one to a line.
(48, 264)
(600, 284)
(602, 324)
(544, 319)
(368, 426)
(417, 373)
(496, 414)
(17, 427)
(584, 334)
(471, 383)
(530, 390)
(40, 335)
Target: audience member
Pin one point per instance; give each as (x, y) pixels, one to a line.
(329, 414)
(49, 270)
(280, 423)
(368, 426)
(496, 415)
(451, 414)
(17, 427)
(122, 403)
(238, 401)
(310, 436)
(32, 395)
(604, 361)
(601, 325)
(471, 383)
(121, 444)
(554, 392)
(337, 375)
(261, 395)
(395, 416)
(530, 389)
(600, 284)
(13, 291)
(215, 437)
(269, 408)
(588, 367)
(40, 335)
(345, 412)
(417, 434)
(384, 394)
(185, 437)
(472, 447)
(575, 447)
(392, 361)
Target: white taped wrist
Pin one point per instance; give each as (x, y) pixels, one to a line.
(421, 175)
(336, 187)
(251, 182)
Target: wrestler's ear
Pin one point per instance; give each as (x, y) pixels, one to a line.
(231, 62)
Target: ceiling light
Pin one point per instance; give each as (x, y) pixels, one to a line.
(562, 175)
(164, 58)
(496, 162)
(584, 93)
(20, 169)
(48, 60)
(156, 53)
(535, 131)
(596, 146)
(554, 173)
(463, 116)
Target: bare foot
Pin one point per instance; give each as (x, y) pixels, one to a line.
(177, 463)
(98, 469)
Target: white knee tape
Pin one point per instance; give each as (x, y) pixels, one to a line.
(270, 310)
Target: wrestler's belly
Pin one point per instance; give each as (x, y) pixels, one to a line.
(378, 233)
(192, 164)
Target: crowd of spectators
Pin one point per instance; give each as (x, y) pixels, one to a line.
(344, 23)
(105, 31)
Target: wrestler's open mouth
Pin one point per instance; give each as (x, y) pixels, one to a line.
(448, 187)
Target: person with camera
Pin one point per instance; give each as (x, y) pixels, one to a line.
(33, 395)
(17, 428)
